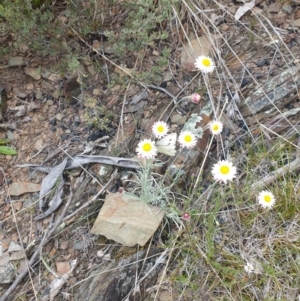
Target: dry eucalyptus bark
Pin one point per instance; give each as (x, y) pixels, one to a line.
(118, 280)
(276, 93)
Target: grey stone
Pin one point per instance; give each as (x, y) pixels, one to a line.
(15, 61)
(14, 247)
(7, 273)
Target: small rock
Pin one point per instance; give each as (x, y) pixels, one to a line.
(56, 94)
(30, 87)
(96, 92)
(18, 205)
(39, 145)
(7, 273)
(19, 188)
(167, 77)
(79, 245)
(260, 63)
(15, 61)
(38, 95)
(127, 221)
(92, 70)
(115, 88)
(22, 265)
(178, 119)
(275, 7)
(225, 27)
(62, 267)
(50, 102)
(64, 245)
(4, 244)
(4, 259)
(295, 23)
(52, 77)
(100, 253)
(14, 247)
(8, 158)
(17, 255)
(59, 116)
(10, 135)
(19, 93)
(33, 72)
(287, 8)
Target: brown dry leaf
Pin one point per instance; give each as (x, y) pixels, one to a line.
(62, 267)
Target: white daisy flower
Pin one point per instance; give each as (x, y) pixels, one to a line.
(216, 127)
(266, 199)
(249, 268)
(224, 171)
(146, 149)
(205, 64)
(187, 139)
(160, 129)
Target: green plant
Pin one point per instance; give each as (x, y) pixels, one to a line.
(5, 150)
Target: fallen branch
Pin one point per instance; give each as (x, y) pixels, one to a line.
(276, 174)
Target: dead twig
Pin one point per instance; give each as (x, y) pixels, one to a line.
(273, 176)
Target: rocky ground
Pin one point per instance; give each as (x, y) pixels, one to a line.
(51, 116)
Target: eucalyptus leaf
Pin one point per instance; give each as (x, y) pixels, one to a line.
(5, 150)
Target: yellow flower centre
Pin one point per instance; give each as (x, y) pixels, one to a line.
(224, 170)
(187, 138)
(215, 127)
(147, 147)
(160, 129)
(267, 198)
(206, 62)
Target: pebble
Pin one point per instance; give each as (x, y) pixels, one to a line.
(261, 63)
(49, 102)
(33, 72)
(287, 8)
(8, 158)
(5, 244)
(14, 247)
(39, 145)
(79, 245)
(10, 135)
(15, 61)
(18, 205)
(38, 95)
(96, 92)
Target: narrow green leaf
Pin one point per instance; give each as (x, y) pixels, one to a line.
(5, 150)
(4, 141)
